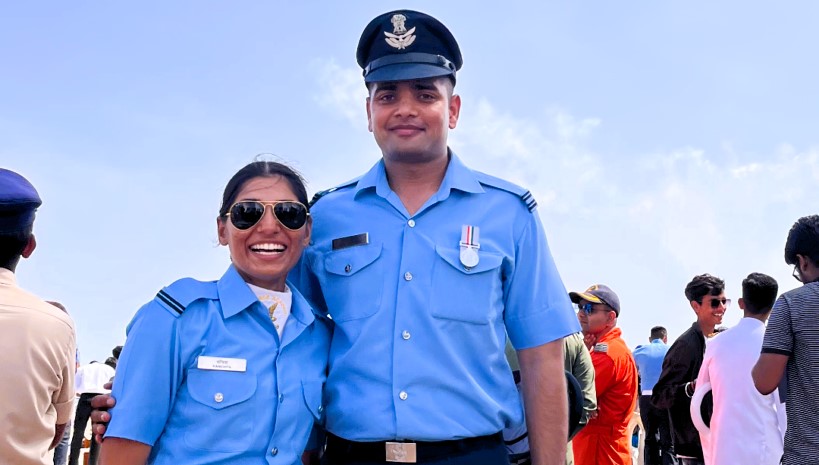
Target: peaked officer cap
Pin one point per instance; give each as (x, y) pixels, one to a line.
(18, 202)
(403, 45)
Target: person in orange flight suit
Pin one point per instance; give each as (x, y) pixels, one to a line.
(606, 439)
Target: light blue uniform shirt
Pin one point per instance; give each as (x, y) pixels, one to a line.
(204, 416)
(649, 360)
(418, 345)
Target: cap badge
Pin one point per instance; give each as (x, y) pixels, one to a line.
(400, 37)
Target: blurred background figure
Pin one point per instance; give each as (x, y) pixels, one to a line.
(673, 391)
(606, 439)
(745, 425)
(89, 382)
(791, 341)
(658, 448)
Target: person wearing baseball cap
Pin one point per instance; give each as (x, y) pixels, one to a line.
(606, 439)
(36, 339)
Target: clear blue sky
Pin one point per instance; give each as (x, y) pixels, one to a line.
(661, 139)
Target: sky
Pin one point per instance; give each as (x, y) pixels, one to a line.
(661, 139)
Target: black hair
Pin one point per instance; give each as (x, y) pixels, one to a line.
(703, 285)
(759, 293)
(658, 332)
(12, 245)
(116, 351)
(803, 239)
(262, 169)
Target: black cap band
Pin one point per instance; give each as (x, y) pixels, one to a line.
(415, 58)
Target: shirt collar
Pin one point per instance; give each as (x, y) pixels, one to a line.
(458, 176)
(7, 277)
(614, 333)
(235, 295)
(657, 341)
(746, 320)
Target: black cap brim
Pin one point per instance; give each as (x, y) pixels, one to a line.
(407, 72)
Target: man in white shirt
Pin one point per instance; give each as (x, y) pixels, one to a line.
(745, 427)
(90, 381)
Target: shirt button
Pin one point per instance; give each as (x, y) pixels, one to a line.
(281, 398)
(411, 223)
(406, 335)
(403, 395)
(407, 276)
(321, 408)
(274, 451)
(218, 397)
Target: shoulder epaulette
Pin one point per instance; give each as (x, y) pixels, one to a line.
(321, 194)
(512, 188)
(179, 295)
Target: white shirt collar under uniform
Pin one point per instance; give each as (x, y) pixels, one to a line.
(277, 303)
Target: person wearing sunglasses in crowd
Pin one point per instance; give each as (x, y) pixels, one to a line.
(228, 371)
(606, 439)
(790, 348)
(673, 391)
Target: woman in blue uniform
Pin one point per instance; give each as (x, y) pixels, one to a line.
(230, 371)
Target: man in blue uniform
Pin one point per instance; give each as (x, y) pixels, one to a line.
(425, 266)
(649, 359)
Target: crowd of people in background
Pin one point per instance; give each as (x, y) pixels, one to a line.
(412, 315)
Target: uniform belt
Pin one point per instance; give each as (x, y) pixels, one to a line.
(405, 451)
(646, 392)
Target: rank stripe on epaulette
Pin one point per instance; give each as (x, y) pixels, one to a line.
(530, 201)
(175, 306)
(318, 196)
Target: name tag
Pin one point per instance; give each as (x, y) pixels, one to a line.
(221, 363)
(351, 241)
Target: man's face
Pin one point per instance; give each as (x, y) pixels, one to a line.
(596, 321)
(707, 313)
(411, 119)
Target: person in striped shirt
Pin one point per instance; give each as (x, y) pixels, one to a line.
(792, 343)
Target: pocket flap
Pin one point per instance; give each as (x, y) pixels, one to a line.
(313, 394)
(487, 260)
(220, 389)
(347, 262)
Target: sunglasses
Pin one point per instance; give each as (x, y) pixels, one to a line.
(588, 308)
(245, 214)
(715, 303)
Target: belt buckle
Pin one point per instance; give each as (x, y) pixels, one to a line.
(401, 452)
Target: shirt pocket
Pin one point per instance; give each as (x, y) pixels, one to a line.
(465, 294)
(353, 282)
(313, 398)
(221, 411)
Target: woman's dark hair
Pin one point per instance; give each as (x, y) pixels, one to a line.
(703, 285)
(262, 169)
(803, 239)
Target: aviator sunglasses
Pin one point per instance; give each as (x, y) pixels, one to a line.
(291, 214)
